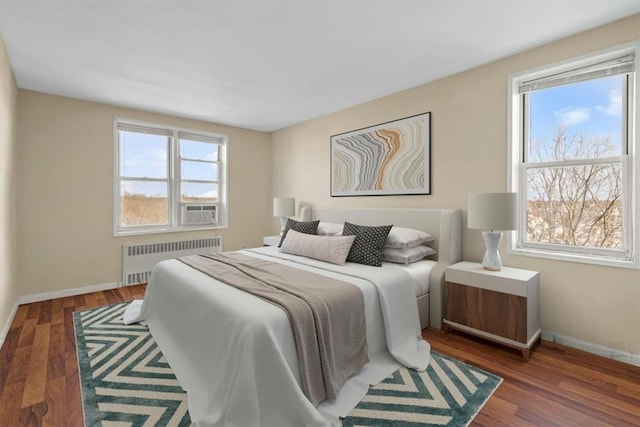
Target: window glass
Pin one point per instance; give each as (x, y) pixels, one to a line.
(575, 205)
(197, 150)
(143, 155)
(143, 203)
(577, 121)
(197, 192)
(199, 171)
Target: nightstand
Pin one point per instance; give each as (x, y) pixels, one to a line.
(271, 240)
(501, 306)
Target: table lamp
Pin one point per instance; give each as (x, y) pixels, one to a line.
(492, 213)
(283, 207)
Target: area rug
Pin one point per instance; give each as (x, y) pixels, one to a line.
(448, 393)
(124, 377)
(125, 380)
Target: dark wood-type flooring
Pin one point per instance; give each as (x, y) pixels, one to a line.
(559, 386)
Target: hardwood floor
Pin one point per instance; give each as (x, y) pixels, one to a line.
(559, 386)
(39, 384)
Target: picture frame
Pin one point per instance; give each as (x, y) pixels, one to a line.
(391, 158)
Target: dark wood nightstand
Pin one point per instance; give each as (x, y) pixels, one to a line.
(501, 306)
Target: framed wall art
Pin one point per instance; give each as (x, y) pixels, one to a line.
(392, 158)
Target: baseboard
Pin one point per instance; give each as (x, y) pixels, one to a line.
(589, 347)
(51, 295)
(66, 293)
(5, 329)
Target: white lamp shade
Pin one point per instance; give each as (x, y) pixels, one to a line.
(492, 211)
(284, 206)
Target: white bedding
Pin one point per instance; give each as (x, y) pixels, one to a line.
(235, 356)
(420, 272)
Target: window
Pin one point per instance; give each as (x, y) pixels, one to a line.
(573, 160)
(167, 179)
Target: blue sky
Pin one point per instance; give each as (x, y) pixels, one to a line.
(592, 107)
(144, 155)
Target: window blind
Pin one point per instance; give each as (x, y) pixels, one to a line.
(199, 138)
(125, 127)
(620, 65)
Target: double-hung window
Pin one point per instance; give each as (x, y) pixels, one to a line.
(167, 179)
(573, 159)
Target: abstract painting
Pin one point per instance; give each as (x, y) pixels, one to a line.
(387, 159)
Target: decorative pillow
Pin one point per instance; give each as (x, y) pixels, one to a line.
(309, 227)
(333, 249)
(329, 229)
(403, 238)
(406, 256)
(367, 246)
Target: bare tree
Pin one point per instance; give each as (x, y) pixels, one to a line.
(574, 204)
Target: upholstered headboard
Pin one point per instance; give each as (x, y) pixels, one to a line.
(443, 224)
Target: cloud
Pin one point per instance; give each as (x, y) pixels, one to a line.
(615, 104)
(573, 116)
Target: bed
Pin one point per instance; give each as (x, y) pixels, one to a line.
(443, 224)
(235, 354)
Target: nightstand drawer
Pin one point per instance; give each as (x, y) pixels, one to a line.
(494, 312)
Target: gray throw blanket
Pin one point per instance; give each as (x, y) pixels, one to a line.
(326, 315)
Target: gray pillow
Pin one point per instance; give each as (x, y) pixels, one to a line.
(333, 249)
(367, 247)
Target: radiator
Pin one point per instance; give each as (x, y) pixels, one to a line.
(139, 260)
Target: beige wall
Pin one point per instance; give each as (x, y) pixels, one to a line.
(65, 175)
(8, 142)
(600, 305)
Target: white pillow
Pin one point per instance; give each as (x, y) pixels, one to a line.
(333, 249)
(406, 256)
(329, 229)
(403, 238)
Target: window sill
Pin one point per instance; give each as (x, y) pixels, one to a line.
(583, 259)
(125, 233)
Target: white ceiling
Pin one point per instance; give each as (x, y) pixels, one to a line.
(269, 64)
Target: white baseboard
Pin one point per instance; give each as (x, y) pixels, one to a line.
(589, 347)
(5, 329)
(27, 299)
(66, 293)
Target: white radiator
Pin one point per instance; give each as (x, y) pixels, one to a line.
(139, 260)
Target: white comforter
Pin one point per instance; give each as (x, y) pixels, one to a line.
(235, 355)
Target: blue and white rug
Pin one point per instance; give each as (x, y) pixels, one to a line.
(124, 377)
(448, 393)
(125, 380)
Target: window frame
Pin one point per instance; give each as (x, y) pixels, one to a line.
(630, 165)
(174, 179)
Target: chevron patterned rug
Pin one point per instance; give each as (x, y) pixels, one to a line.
(448, 393)
(125, 380)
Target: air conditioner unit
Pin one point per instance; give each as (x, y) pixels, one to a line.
(199, 214)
